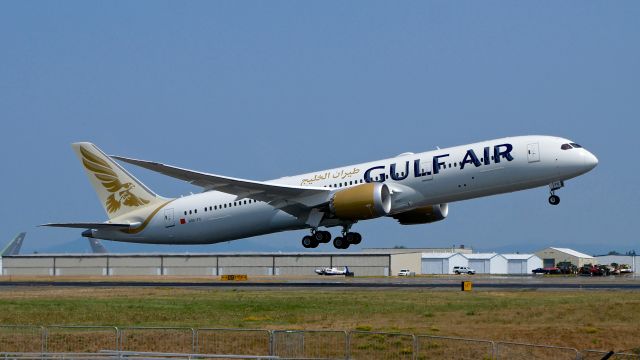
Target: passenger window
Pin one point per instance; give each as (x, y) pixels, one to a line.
(195, 211)
(189, 212)
(185, 212)
(225, 206)
(205, 209)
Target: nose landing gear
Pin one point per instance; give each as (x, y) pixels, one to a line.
(555, 199)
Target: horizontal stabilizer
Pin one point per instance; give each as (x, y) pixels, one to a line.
(92, 225)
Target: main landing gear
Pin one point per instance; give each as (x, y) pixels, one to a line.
(340, 242)
(347, 238)
(316, 237)
(555, 199)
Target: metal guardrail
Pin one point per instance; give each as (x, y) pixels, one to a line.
(109, 342)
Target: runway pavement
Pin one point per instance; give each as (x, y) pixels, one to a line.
(447, 282)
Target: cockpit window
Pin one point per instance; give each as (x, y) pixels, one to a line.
(565, 147)
(577, 146)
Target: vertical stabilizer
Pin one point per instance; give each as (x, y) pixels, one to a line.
(97, 247)
(14, 246)
(118, 191)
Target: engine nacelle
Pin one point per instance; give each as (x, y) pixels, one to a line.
(423, 215)
(366, 201)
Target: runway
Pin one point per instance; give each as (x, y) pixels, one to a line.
(454, 283)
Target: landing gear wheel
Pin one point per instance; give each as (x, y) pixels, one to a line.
(326, 237)
(318, 236)
(309, 242)
(353, 238)
(340, 243)
(554, 199)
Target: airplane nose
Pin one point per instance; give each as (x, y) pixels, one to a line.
(590, 160)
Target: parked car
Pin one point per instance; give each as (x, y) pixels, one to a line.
(463, 270)
(547, 270)
(404, 272)
(594, 270)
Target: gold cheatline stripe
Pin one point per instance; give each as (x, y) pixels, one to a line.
(147, 220)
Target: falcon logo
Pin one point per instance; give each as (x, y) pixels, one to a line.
(120, 193)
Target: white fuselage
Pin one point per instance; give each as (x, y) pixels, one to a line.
(415, 180)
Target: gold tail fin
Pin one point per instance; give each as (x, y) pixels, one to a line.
(118, 191)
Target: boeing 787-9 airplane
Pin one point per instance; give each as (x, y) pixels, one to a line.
(411, 188)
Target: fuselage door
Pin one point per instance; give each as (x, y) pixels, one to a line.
(532, 152)
(169, 220)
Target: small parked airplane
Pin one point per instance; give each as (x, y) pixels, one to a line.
(333, 271)
(411, 188)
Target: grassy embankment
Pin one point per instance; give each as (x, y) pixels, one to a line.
(581, 319)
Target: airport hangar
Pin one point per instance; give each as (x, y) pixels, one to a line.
(369, 262)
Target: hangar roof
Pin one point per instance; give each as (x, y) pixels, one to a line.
(480, 256)
(439, 255)
(573, 252)
(518, 256)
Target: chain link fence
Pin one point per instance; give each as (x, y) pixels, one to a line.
(597, 355)
(381, 345)
(22, 338)
(157, 339)
(443, 347)
(310, 344)
(63, 341)
(514, 350)
(233, 341)
(80, 339)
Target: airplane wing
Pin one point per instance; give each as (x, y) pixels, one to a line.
(286, 197)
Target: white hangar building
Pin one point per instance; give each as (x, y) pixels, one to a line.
(551, 256)
(522, 264)
(488, 263)
(442, 263)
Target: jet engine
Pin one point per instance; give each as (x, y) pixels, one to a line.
(366, 201)
(423, 215)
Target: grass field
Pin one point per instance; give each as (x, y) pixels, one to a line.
(580, 319)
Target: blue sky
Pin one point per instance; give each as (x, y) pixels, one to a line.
(261, 89)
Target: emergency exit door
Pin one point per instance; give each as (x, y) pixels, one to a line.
(533, 152)
(169, 220)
